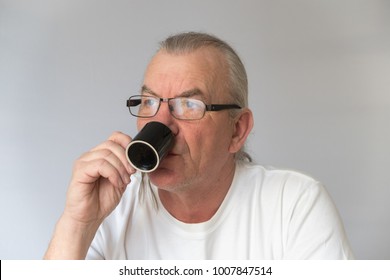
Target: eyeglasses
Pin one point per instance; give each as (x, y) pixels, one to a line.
(182, 108)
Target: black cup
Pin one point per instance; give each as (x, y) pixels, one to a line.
(149, 146)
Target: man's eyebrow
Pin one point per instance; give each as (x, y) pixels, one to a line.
(187, 93)
(191, 93)
(145, 89)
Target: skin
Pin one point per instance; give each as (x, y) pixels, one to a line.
(194, 178)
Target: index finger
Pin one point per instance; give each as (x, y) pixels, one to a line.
(120, 138)
(117, 144)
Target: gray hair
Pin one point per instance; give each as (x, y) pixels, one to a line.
(237, 86)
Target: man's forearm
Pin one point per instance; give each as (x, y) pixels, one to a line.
(70, 240)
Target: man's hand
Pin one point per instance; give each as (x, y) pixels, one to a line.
(99, 180)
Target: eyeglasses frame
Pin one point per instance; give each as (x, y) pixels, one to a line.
(208, 107)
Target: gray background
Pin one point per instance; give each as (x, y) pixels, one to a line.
(319, 75)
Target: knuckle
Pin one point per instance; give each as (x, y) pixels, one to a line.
(119, 137)
(101, 162)
(116, 135)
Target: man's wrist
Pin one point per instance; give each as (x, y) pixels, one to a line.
(71, 239)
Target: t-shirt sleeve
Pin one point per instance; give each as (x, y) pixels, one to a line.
(314, 227)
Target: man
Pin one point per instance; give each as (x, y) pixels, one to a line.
(205, 200)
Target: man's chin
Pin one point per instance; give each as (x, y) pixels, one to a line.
(162, 176)
(169, 172)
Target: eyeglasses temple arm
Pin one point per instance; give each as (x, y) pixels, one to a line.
(219, 107)
(132, 102)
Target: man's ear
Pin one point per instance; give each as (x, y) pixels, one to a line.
(243, 125)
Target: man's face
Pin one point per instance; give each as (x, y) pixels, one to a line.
(201, 151)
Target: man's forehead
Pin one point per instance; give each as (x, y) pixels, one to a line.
(203, 69)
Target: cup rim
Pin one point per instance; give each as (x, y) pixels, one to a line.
(153, 149)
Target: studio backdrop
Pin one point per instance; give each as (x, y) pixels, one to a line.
(319, 82)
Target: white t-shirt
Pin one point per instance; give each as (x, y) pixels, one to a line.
(267, 214)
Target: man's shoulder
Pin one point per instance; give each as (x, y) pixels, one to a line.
(271, 179)
(267, 171)
(271, 186)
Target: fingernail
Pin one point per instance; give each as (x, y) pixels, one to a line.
(130, 169)
(126, 179)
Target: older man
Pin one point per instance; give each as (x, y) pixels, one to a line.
(205, 200)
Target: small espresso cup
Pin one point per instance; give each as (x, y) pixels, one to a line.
(149, 146)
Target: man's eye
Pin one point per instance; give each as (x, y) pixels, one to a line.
(192, 104)
(148, 102)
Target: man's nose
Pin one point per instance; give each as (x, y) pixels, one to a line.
(165, 116)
